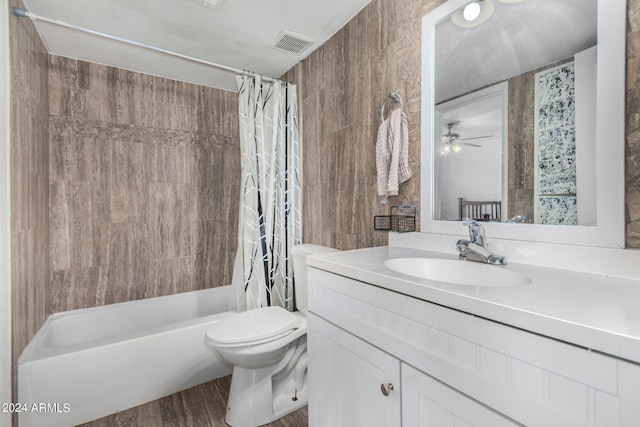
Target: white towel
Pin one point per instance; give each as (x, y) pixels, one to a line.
(392, 154)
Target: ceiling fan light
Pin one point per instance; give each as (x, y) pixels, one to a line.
(456, 148)
(445, 149)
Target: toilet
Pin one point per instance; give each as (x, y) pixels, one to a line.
(268, 350)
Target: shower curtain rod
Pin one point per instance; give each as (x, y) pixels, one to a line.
(26, 14)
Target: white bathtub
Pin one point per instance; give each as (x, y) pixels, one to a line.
(85, 364)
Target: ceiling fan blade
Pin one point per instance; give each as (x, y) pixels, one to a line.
(476, 137)
(471, 145)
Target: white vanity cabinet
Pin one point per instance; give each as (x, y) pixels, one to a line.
(427, 402)
(449, 367)
(352, 383)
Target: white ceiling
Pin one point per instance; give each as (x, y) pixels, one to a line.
(518, 37)
(237, 33)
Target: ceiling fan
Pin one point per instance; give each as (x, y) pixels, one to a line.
(451, 141)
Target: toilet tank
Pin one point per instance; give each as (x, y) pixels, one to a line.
(299, 254)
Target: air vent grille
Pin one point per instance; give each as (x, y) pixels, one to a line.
(290, 42)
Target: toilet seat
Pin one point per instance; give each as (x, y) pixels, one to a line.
(253, 327)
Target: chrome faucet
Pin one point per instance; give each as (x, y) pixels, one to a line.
(475, 249)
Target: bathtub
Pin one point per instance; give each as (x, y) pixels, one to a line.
(86, 364)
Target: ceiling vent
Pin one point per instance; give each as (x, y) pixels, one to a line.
(290, 42)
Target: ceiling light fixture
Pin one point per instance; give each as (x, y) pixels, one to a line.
(471, 11)
(473, 14)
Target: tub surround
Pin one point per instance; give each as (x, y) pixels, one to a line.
(598, 312)
(144, 173)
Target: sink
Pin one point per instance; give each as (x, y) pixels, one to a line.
(457, 272)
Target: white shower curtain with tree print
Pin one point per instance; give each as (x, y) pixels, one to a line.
(269, 222)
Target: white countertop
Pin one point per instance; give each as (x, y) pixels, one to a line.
(594, 311)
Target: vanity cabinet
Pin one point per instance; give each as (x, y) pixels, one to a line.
(427, 402)
(449, 367)
(352, 383)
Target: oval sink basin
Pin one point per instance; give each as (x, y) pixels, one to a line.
(457, 272)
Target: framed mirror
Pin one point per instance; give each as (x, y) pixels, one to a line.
(548, 105)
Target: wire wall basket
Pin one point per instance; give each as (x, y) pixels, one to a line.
(397, 222)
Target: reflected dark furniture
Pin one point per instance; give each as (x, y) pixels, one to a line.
(479, 210)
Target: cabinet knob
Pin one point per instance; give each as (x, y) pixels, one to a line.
(386, 388)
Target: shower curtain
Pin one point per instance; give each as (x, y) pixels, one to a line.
(269, 221)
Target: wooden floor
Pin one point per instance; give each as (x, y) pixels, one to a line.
(203, 405)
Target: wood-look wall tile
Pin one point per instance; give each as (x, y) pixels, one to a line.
(313, 214)
(75, 236)
(169, 163)
(633, 205)
(29, 173)
(124, 261)
(210, 243)
(633, 234)
(75, 288)
(141, 165)
(231, 158)
(63, 72)
(312, 134)
(209, 181)
(167, 277)
(633, 155)
(168, 219)
(344, 187)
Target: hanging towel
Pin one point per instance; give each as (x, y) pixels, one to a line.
(392, 154)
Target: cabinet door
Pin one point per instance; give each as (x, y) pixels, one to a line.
(427, 402)
(351, 383)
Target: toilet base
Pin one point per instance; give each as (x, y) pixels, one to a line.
(260, 396)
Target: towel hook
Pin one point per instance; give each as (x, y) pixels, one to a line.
(395, 97)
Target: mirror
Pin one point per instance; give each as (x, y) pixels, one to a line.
(476, 79)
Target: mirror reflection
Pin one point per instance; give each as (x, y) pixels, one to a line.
(515, 95)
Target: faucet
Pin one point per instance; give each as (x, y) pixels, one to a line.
(518, 219)
(475, 249)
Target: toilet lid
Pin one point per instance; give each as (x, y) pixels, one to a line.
(253, 326)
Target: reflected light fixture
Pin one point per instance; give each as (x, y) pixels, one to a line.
(473, 14)
(449, 146)
(471, 11)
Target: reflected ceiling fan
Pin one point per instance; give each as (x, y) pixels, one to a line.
(451, 141)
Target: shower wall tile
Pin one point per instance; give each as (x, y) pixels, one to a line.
(140, 168)
(169, 224)
(29, 182)
(210, 240)
(167, 277)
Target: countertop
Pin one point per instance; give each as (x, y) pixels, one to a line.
(593, 311)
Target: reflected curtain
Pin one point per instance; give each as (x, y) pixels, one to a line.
(270, 218)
